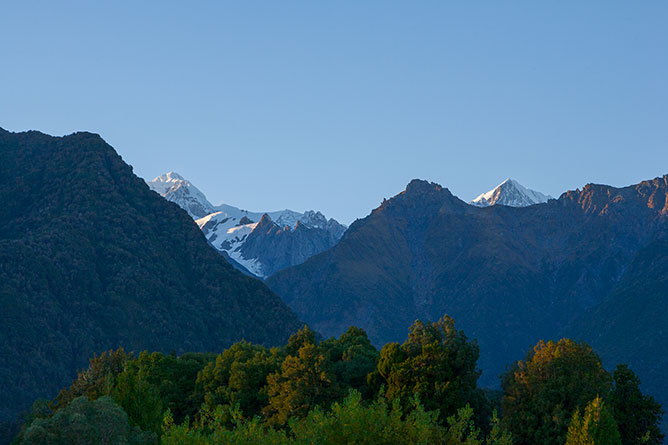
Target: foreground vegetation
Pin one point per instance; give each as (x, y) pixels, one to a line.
(344, 391)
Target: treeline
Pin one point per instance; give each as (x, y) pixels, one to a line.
(342, 391)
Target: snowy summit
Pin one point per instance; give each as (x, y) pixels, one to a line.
(173, 187)
(510, 193)
(228, 228)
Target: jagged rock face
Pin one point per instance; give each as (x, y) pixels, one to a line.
(91, 259)
(228, 228)
(265, 247)
(510, 193)
(317, 220)
(277, 248)
(509, 276)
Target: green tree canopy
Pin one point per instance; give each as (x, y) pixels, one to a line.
(438, 363)
(352, 357)
(83, 422)
(238, 376)
(542, 392)
(174, 377)
(140, 400)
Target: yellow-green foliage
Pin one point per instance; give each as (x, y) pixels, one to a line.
(348, 422)
(351, 421)
(596, 427)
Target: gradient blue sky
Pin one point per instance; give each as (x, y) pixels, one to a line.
(336, 105)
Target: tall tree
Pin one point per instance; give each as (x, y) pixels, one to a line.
(303, 383)
(352, 357)
(438, 363)
(542, 392)
(638, 416)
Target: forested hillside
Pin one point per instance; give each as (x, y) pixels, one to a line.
(91, 259)
(344, 391)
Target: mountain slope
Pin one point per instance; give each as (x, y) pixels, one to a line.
(510, 193)
(630, 327)
(91, 259)
(285, 238)
(509, 276)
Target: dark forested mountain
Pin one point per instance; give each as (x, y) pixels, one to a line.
(509, 276)
(257, 243)
(91, 259)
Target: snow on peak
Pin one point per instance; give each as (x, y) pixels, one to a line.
(172, 176)
(227, 233)
(166, 181)
(510, 193)
(174, 188)
(227, 227)
(317, 220)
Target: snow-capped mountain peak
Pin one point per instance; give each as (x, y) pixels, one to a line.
(229, 228)
(163, 183)
(510, 193)
(317, 220)
(173, 187)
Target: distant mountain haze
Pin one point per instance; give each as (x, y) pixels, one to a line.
(259, 243)
(91, 259)
(509, 275)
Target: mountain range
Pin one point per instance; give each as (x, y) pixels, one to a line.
(592, 264)
(92, 259)
(259, 243)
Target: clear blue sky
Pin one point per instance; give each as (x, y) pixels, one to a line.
(336, 105)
